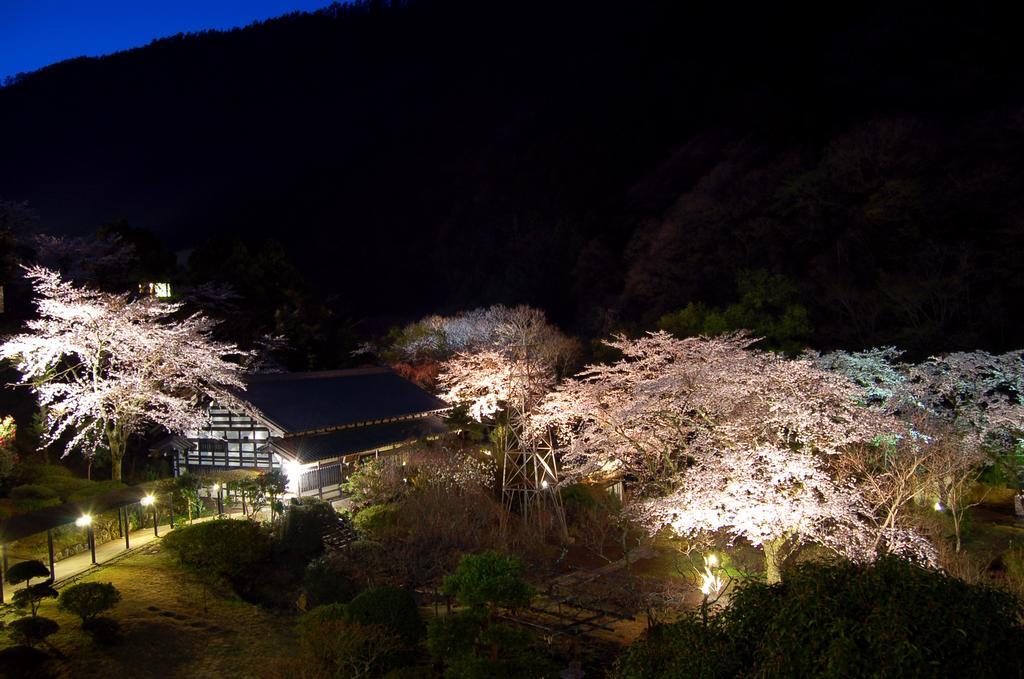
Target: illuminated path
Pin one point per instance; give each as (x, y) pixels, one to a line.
(77, 564)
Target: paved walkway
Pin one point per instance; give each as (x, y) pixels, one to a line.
(77, 564)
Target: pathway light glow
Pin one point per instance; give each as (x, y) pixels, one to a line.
(147, 500)
(83, 521)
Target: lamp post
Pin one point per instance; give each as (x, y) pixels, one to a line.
(150, 501)
(85, 521)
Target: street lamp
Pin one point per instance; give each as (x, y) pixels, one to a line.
(220, 499)
(85, 521)
(150, 501)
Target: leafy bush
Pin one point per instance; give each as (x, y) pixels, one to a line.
(306, 520)
(41, 473)
(88, 599)
(30, 595)
(94, 488)
(331, 644)
(324, 584)
(392, 607)
(104, 631)
(32, 630)
(889, 619)
(377, 521)
(467, 646)
(685, 648)
(226, 548)
(376, 482)
(31, 497)
(489, 579)
(22, 661)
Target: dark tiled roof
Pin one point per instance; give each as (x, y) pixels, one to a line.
(313, 447)
(304, 402)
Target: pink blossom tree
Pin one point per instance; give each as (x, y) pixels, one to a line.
(106, 365)
(773, 497)
(720, 437)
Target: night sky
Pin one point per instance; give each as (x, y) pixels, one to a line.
(35, 33)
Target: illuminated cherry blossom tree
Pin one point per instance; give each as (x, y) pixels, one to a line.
(104, 366)
(772, 497)
(718, 437)
(506, 356)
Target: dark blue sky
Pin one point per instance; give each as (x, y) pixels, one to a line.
(34, 33)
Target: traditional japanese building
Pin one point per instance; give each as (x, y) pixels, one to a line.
(315, 426)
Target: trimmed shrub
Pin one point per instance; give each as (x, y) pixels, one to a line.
(94, 488)
(226, 548)
(489, 579)
(22, 661)
(32, 496)
(306, 520)
(32, 630)
(88, 599)
(330, 644)
(392, 607)
(891, 619)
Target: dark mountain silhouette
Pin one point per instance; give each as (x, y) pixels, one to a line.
(607, 162)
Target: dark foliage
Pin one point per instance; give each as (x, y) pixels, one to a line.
(305, 522)
(322, 584)
(24, 571)
(23, 661)
(32, 630)
(489, 580)
(392, 607)
(104, 631)
(891, 619)
(608, 162)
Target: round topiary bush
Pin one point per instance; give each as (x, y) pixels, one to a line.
(225, 548)
(392, 607)
(32, 630)
(891, 619)
(88, 599)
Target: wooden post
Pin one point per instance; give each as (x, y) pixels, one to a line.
(127, 528)
(49, 547)
(319, 479)
(156, 531)
(92, 543)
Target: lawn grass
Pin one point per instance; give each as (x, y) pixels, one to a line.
(171, 626)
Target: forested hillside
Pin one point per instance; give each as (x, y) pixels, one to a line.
(607, 162)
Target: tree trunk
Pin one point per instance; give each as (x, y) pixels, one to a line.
(117, 442)
(773, 560)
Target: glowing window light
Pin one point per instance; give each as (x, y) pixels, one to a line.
(83, 521)
(292, 470)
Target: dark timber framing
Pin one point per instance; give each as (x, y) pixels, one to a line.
(316, 427)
